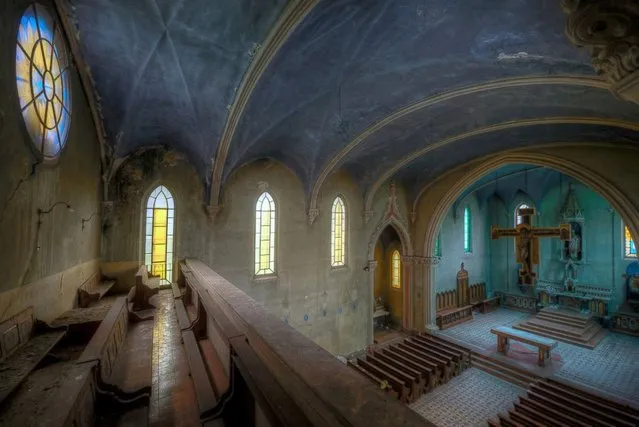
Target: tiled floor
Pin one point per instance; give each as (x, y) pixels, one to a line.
(173, 402)
(612, 366)
(467, 400)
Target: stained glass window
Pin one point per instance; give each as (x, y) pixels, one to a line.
(265, 235)
(395, 270)
(468, 231)
(518, 218)
(338, 233)
(42, 76)
(630, 250)
(158, 245)
(438, 245)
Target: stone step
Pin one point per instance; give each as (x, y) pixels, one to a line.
(559, 336)
(565, 314)
(562, 320)
(578, 333)
(502, 372)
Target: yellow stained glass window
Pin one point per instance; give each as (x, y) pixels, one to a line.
(338, 233)
(265, 235)
(396, 270)
(42, 77)
(158, 249)
(630, 250)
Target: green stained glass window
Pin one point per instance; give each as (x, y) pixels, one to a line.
(468, 231)
(42, 77)
(438, 245)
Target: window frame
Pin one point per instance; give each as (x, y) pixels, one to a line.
(344, 244)
(438, 244)
(627, 255)
(65, 64)
(258, 272)
(170, 233)
(468, 230)
(396, 285)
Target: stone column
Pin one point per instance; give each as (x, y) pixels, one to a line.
(424, 293)
(372, 265)
(609, 30)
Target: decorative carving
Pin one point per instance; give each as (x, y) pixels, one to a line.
(413, 217)
(609, 30)
(421, 260)
(367, 216)
(262, 186)
(212, 211)
(312, 215)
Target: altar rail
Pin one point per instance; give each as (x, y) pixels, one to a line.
(278, 376)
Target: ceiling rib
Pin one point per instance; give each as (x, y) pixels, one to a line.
(565, 80)
(290, 18)
(370, 194)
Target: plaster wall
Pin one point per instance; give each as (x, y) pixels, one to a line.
(477, 262)
(44, 269)
(331, 306)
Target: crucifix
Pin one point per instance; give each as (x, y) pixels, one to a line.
(527, 242)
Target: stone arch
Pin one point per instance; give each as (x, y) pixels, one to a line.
(442, 193)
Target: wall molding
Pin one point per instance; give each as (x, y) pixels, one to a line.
(565, 80)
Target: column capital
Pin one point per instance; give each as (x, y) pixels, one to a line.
(608, 30)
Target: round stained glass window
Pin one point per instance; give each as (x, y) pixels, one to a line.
(43, 81)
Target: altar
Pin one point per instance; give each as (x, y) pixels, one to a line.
(582, 298)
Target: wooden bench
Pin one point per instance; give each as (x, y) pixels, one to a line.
(544, 345)
(22, 349)
(145, 287)
(93, 289)
(382, 384)
(440, 371)
(122, 341)
(398, 384)
(439, 353)
(428, 376)
(462, 358)
(446, 365)
(479, 300)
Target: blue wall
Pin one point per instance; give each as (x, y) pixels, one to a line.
(452, 245)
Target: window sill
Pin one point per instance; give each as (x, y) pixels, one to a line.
(264, 278)
(340, 269)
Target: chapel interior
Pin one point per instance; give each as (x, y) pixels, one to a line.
(319, 213)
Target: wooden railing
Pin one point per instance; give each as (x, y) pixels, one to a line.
(277, 376)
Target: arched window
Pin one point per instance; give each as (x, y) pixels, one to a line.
(160, 217)
(42, 78)
(630, 250)
(518, 218)
(468, 230)
(395, 270)
(338, 233)
(438, 245)
(265, 235)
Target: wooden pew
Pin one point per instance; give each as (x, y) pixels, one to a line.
(426, 377)
(382, 384)
(439, 370)
(145, 288)
(453, 316)
(93, 289)
(464, 353)
(412, 379)
(446, 365)
(22, 349)
(430, 375)
(479, 300)
(438, 355)
(398, 385)
(505, 333)
(457, 356)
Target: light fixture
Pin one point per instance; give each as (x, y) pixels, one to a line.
(85, 220)
(42, 212)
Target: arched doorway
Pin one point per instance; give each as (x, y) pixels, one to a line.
(388, 286)
(158, 238)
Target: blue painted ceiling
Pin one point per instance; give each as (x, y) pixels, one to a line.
(168, 71)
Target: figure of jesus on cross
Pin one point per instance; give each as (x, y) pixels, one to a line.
(527, 242)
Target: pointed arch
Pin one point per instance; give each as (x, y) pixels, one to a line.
(517, 217)
(265, 215)
(159, 228)
(338, 233)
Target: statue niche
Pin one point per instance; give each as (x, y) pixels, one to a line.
(572, 248)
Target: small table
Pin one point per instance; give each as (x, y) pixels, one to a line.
(545, 345)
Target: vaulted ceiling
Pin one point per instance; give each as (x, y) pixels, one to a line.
(400, 89)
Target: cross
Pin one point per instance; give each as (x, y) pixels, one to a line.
(527, 242)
